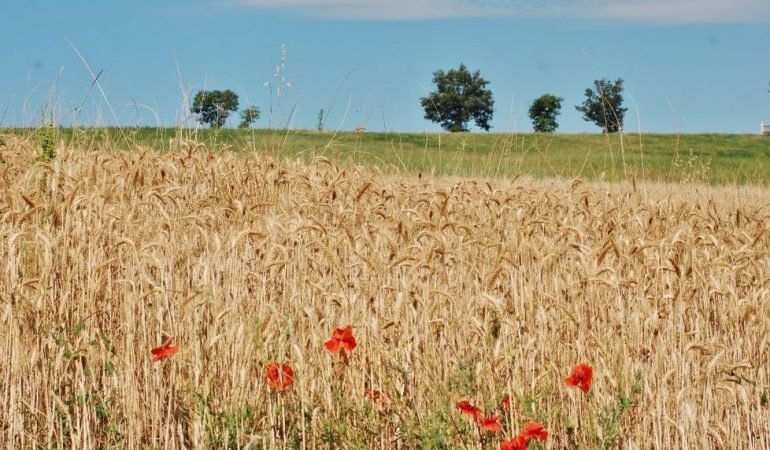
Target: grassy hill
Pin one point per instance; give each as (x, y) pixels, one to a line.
(709, 158)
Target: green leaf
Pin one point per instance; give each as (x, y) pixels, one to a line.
(101, 411)
(109, 367)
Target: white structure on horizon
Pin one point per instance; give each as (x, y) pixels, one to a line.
(764, 129)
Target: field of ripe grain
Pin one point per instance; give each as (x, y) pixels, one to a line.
(456, 290)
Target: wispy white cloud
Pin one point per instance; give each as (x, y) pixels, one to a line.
(676, 11)
(387, 9)
(654, 11)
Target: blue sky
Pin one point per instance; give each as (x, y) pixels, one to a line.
(689, 66)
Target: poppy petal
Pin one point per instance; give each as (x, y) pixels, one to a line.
(506, 402)
(347, 338)
(164, 351)
(490, 423)
(338, 333)
(517, 443)
(467, 408)
(349, 344)
(279, 376)
(333, 345)
(534, 430)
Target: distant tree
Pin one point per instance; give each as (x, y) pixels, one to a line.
(604, 107)
(320, 123)
(214, 107)
(544, 111)
(459, 97)
(249, 116)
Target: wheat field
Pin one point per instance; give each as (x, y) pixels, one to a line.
(456, 289)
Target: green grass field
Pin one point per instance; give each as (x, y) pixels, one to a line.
(708, 158)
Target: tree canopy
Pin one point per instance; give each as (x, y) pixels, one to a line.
(214, 107)
(459, 97)
(544, 111)
(604, 107)
(249, 116)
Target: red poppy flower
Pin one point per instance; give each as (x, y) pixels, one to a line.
(342, 339)
(491, 423)
(581, 377)
(506, 402)
(382, 398)
(469, 409)
(375, 395)
(164, 351)
(534, 430)
(517, 443)
(279, 376)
